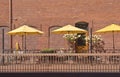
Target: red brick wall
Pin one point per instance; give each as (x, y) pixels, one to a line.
(45, 13)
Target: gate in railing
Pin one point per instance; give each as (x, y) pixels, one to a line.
(66, 62)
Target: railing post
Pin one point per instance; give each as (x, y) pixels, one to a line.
(3, 39)
(3, 46)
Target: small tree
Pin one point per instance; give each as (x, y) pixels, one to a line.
(71, 38)
(97, 43)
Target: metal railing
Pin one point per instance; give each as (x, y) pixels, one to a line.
(60, 62)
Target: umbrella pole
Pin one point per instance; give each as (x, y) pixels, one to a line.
(22, 43)
(25, 42)
(113, 43)
(91, 40)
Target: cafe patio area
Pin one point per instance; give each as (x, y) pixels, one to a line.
(91, 56)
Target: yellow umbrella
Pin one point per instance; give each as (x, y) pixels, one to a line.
(69, 29)
(110, 28)
(24, 30)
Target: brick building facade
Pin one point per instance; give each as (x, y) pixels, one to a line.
(46, 15)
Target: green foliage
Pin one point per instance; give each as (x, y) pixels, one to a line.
(47, 50)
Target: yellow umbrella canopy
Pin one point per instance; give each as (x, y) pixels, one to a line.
(110, 28)
(24, 30)
(69, 29)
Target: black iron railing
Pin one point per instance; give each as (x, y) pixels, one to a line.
(59, 62)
